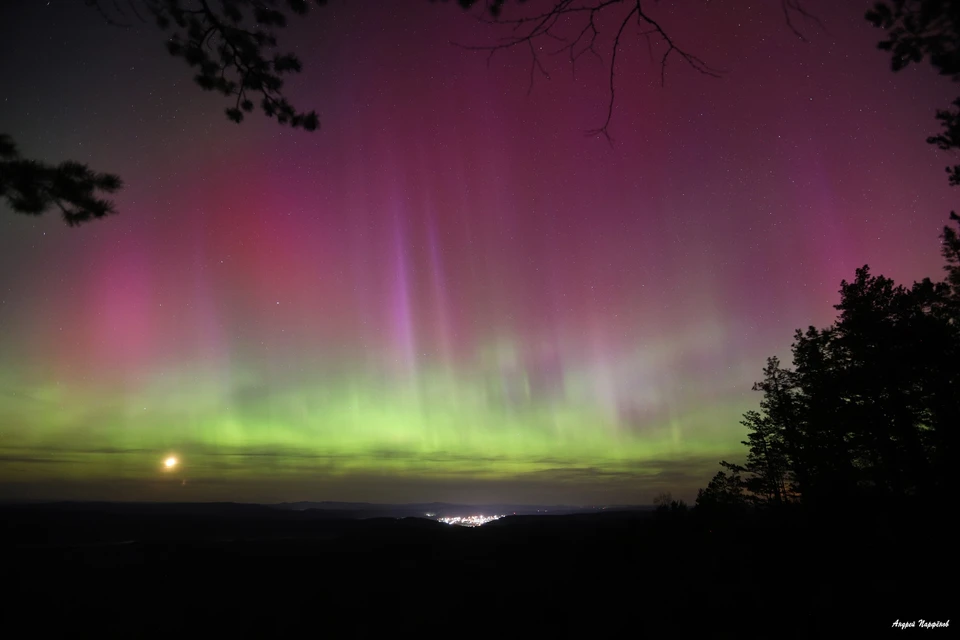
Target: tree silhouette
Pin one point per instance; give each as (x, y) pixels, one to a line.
(871, 408)
(662, 500)
(31, 187)
(769, 479)
(877, 386)
(230, 45)
(926, 29)
(951, 254)
(767, 460)
(723, 495)
(668, 507)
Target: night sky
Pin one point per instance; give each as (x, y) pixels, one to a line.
(448, 292)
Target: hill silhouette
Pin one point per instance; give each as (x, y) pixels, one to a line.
(256, 571)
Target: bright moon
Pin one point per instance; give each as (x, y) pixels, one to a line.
(170, 462)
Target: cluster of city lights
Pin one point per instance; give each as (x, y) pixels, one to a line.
(469, 521)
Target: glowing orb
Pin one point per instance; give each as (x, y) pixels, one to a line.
(170, 462)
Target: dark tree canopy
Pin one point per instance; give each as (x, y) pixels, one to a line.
(230, 44)
(665, 504)
(951, 254)
(926, 29)
(31, 187)
(723, 496)
(871, 407)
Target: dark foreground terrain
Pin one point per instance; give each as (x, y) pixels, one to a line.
(247, 571)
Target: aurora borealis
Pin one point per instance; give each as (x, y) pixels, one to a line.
(448, 292)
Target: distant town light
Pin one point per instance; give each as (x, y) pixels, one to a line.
(469, 521)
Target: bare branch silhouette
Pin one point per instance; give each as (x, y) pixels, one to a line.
(575, 24)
